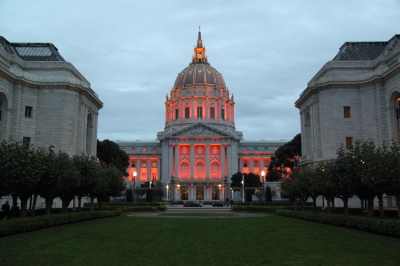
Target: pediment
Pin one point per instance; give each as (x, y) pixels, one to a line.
(199, 130)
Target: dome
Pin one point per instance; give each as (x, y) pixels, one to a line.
(199, 75)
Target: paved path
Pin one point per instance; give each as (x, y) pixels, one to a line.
(173, 212)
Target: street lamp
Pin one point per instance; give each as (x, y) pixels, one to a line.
(219, 191)
(133, 190)
(263, 178)
(243, 188)
(167, 192)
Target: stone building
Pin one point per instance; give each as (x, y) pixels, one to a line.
(199, 146)
(354, 96)
(45, 100)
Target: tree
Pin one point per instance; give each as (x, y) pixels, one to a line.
(343, 177)
(284, 156)
(49, 181)
(394, 176)
(109, 152)
(20, 170)
(268, 194)
(68, 179)
(88, 169)
(251, 183)
(298, 185)
(109, 183)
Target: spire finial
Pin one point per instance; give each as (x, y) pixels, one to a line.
(199, 28)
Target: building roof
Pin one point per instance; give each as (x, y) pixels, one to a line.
(361, 51)
(32, 51)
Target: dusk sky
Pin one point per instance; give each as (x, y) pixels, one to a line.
(131, 52)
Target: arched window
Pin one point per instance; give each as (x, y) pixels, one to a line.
(215, 172)
(184, 172)
(200, 173)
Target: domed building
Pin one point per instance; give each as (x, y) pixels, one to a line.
(199, 149)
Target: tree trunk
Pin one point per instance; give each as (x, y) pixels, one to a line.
(91, 204)
(65, 204)
(314, 204)
(79, 203)
(380, 202)
(345, 206)
(370, 202)
(398, 206)
(49, 204)
(34, 205)
(295, 203)
(362, 205)
(328, 205)
(303, 205)
(100, 203)
(24, 205)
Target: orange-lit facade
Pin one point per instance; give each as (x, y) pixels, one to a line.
(199, 145)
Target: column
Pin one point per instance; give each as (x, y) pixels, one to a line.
(176, 147)
(171, 171)
(148, 169)
(138, 168)
(207, 113)
(158, 169)
(207, 161)
(192, 111)
(191, 162)
(230, 170)
(251, 165)
(222, 158)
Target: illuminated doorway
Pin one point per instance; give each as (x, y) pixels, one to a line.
(200, 193)
(215, 193)
(184, 193)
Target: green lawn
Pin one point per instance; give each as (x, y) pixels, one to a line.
(269, 240)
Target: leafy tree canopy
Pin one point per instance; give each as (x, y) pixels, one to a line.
(109, 152)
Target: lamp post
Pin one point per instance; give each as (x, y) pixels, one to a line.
(167, 192)
(219, 191)
(172, 191)
(154, 186)
(133, 190)
(263, 178)
(243, 188)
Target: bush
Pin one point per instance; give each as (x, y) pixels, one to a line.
(16, 226)
(377, 226)
(268, 209)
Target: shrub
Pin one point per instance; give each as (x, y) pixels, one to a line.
(377, 226)
(16, 226)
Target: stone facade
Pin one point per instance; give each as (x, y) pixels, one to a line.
(354, 96)
(44, 100)
(199, 146)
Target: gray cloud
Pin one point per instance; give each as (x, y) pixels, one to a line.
(131, 52)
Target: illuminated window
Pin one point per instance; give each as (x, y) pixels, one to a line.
(143, 149)
(187, 112)
(28, 111)
(244, 163)
(144, 164)
(176, 114)
(133, 164)
(154, 164)
(349, 142)
(199, 112)
(212, 112)
(223, 114)
(346, 110)
(256, 163)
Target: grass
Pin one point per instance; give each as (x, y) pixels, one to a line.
(269, 240)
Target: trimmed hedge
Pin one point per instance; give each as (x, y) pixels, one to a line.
(16, 226)
(125, 204)
(377, 226)
(268, 209)
(274, 203)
